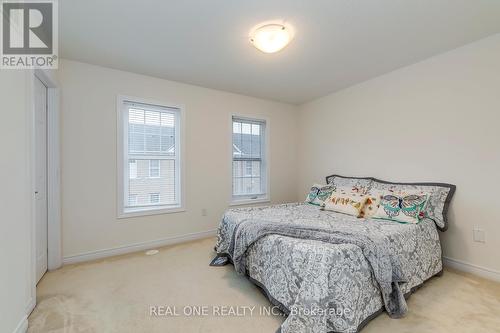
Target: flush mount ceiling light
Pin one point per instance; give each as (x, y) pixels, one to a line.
(270, 38)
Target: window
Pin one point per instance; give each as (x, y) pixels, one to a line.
(132, 167)
(249, 162)
(150, 158)
(154, 169)
(154, 198)
(132, 199)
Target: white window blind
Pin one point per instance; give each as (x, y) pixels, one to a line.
(133, 169)
(154, 169)
(154, 197)
(151, 157)
(249, 163)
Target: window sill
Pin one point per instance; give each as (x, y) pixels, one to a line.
(148, 212)
(249, 201)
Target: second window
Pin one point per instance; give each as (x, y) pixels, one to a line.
(249, 159)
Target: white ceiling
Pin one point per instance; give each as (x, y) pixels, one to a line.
(337, 42)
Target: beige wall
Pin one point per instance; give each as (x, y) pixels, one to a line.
(15, 256)
(437, 120)
(89, 155)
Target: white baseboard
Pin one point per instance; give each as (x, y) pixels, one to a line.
(30, 306)
(99, 254)
(22, 327)
(463, 266)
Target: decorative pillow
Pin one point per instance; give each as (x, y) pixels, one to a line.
(372, 203)
(440, 194)
(402, 206)
(437, 204)
(318, 194)
(346, 200)
(340, 181)
(313, 193)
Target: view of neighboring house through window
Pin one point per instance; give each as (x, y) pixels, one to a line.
(133, 169)
(249, 163)
(154, 169)
(154, 197)
(151, 157)
(132, 199)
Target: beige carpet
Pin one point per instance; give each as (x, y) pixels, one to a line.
(115, 295)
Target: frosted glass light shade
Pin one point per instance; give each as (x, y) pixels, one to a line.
(271, 38)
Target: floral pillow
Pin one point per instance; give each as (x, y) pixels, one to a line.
(346, 200)
(402, 206)
(319, 193)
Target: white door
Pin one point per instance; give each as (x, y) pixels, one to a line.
(41, 218)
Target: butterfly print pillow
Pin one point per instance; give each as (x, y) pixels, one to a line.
(319, 193)
(403, 207)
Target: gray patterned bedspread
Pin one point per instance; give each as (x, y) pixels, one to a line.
(328, 283)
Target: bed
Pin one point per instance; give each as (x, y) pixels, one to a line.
(332, 272)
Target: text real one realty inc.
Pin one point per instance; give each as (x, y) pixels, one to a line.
(213, 310)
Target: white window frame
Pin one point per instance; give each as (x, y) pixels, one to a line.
(123, 165)
(265, 165)
(159, 169)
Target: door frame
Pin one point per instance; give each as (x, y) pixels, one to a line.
(54, 240)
